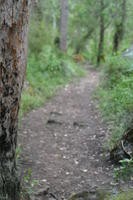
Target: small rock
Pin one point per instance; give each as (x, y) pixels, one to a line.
(76, 162)
(43, 191)
(44, 180)
(84, 170)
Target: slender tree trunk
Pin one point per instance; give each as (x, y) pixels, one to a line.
(101, 40)
(63, 25)
(13, 54)
(54, 21)
(119, 28)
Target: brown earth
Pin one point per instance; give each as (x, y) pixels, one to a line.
(63, 142)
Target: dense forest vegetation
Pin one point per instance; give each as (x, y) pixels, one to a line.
(65, 38)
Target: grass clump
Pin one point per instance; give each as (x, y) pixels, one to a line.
(116, 97)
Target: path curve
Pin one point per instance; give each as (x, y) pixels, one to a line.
(63, 141)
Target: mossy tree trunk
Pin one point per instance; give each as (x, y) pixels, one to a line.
(13, 54)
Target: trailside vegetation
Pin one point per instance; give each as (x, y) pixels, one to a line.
(97, 32)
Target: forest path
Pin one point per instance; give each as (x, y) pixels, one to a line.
(63, 141)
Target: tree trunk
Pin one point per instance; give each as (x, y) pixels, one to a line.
(13, 54)
(63, 25)
(101, 40)
(119, 28)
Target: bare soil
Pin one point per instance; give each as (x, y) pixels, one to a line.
(63, 142)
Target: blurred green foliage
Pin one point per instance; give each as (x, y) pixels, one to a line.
(44, 75)
(116, 97)
(47, 68)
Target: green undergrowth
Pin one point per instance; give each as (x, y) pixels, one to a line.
(116, 97)
(45, 73)
(123, 195)
(128, 195)
(101, 194)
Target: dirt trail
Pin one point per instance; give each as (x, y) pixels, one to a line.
(62, 142)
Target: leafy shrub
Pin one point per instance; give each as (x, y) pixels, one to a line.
(125, 171)
(115, 69)
(116, 97)
(91, 52)
(40, 34)
(50, 62)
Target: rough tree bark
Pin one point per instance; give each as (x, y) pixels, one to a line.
(102, 28)
(119, 28)
(63, 25)
(13, 54)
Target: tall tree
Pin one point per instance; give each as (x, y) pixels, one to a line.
(13, 54)
(101, 38)
(119, 26)
(63, 25)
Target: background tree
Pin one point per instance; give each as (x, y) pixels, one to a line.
(82, 24)
(102, 29)
(119, 24)
(13, 54)
(63, 25)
